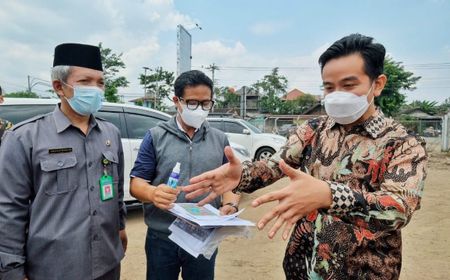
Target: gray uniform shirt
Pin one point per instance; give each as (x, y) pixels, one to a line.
(53, 223)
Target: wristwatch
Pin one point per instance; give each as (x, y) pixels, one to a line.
(232, 204)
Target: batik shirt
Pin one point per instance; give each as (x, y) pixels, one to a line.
(376, 173)
(4, 124)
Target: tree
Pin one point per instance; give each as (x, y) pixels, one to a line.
(226, 98)
(22, 94)
(112, 64)
(299, 105)
(158, 85)
(391, 99)
(429, 107)
(272, 86)
(444, 108)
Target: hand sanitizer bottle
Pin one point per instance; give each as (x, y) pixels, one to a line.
(174, 176)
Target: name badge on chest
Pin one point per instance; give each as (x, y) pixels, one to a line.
(106, 187)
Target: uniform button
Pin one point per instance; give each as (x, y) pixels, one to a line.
(91, 188)
(60, 163)
(94, 213)
(90, 164)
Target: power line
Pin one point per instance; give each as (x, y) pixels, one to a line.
(441, 65)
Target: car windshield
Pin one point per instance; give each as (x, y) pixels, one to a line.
(252, 127)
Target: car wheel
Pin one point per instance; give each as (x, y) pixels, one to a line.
(264, 153)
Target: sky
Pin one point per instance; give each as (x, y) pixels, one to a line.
(245, 39)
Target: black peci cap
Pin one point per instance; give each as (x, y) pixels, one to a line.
(71, 54)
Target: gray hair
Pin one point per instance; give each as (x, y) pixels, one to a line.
(60, 73)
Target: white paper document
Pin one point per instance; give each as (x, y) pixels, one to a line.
(207, 216)
(199, 230)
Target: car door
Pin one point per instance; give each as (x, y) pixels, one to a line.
(217, 124)
(235, 132)
(138, 122)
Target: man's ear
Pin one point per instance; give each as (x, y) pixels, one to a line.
(176, 100)
(379, 85)
(57, 87)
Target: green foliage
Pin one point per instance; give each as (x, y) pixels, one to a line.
(299, 105)
(271, 87)
(159, 84)
(22, 94)
(429, 107)
(444, 108)
(112, 64)
(226, 98)
(391, 98)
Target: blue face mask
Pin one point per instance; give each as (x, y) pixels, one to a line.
(86, 100)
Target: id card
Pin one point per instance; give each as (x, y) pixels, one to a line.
(106, 187)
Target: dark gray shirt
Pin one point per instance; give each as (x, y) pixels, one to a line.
(164, 146)
(53, 223)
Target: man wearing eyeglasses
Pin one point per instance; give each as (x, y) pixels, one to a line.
(188, 139)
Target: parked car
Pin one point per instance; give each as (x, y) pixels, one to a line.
(132, 121)
(287, 129)
(431, 132)
(261, 145)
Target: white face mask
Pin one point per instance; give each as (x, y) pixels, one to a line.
(346, 107)
(193, 118)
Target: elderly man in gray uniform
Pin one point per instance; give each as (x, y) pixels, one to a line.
(62, 214)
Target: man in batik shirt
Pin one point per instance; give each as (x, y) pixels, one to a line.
(356, 176)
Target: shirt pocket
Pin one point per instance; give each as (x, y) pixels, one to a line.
(111, 165)
(61, 177)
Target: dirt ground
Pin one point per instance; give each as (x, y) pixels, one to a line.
(426, 240)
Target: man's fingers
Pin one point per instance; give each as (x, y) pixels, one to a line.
(268, 197)
(163, 200)
(170, 190)
(289, 171)
(207, 199)
(278, 224)
(164, 195)
(287, 229)
(225, 211)
(197, 193)
(197, 179)
(269, 216)
(228, 151)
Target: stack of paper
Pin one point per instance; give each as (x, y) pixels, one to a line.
(199, 230)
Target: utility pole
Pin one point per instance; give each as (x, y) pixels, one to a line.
(33, 81)
(145, 80)
(29, 83)
(243, 102)
(213, 67)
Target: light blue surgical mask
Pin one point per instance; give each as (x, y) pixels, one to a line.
(86, 100)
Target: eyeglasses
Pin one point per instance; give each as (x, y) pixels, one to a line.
(193, 104)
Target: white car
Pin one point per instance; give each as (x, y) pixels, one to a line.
(132, 121)
(261, 145)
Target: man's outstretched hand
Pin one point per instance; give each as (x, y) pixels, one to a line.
(300, 197)
(216, 182)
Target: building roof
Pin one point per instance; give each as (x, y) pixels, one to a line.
(293, 94)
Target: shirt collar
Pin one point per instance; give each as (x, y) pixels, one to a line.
(180, 127)
(62, 122)
(373, 125)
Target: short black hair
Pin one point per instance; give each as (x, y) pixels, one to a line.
(372, 53)
(192, 78)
